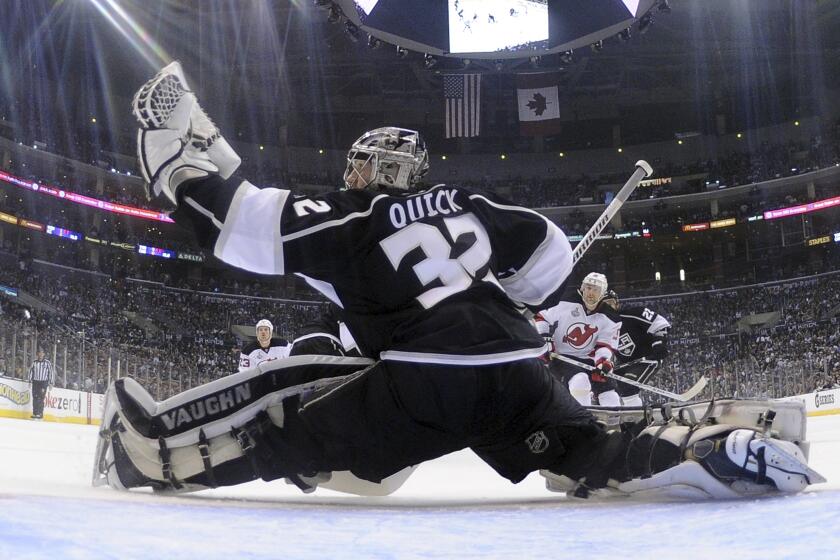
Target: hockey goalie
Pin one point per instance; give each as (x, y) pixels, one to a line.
(430, 281)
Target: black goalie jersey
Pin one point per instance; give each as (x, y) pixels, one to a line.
(423, 277)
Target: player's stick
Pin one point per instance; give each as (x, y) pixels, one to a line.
(692, 392)
(643, 169)
(637, 361)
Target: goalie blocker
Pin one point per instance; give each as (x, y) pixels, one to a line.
(249, 426)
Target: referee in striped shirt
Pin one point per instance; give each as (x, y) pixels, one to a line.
(41, 375)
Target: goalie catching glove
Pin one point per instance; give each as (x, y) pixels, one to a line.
(177, 141)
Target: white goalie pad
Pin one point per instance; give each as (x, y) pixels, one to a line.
(346, 482)
(785, 420)
(212, 411)
(732, 449)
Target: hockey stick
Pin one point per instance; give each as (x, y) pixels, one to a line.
(637, 361)
(692, 392)
(643, 169)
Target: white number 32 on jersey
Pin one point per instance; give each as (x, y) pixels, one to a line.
(455, 274)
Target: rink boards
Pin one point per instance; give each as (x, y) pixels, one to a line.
(80, 407)
(60, 405)
(819, 403)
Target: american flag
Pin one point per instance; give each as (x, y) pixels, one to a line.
(462, 93)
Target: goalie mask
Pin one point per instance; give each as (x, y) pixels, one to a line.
(387, 157)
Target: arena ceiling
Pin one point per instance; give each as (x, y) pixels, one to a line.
(266, 61)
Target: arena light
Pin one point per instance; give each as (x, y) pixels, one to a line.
(31, 225)
(802, 208)
(722, 223)
(837, 237)
(682, 275)
(155, 252)
(61, 232)
(429, 61)
(402, 52)
(696, 227)
(658, 276)
(85, 200)
(819, 240)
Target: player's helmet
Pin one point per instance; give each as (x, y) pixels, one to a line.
(595, 279)
(611, 299)
(398, 158)
(264, 323)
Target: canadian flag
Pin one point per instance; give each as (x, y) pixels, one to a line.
(538, 101)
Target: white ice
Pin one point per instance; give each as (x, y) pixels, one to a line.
(454, 507)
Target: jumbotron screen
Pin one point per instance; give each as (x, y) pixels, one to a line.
(366, 6)
(496, 25)
(491, 27)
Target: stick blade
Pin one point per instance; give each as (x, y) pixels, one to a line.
(696, 389)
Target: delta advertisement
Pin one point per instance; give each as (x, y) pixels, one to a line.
(60, 405)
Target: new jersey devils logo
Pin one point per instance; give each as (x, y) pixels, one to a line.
(579, 334)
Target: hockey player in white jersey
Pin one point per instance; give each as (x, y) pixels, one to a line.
(578, 328)
(429, 282)
(265, 348)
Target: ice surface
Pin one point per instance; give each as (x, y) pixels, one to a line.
(452, 507)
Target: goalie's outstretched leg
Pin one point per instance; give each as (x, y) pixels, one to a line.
(225, 432)
(705, 460)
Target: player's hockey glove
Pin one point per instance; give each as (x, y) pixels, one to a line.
(658, 349)
(602, 366)
(550, 343)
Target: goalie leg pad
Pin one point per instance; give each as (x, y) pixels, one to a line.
(711, 461)
(723, 462)
(225, 432)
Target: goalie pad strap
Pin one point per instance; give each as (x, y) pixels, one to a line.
(166, 464)
(761, 475)
(204, 451)
(266, 451)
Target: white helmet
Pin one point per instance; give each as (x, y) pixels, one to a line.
(398, 158)
(265, 323)
(595, 279)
